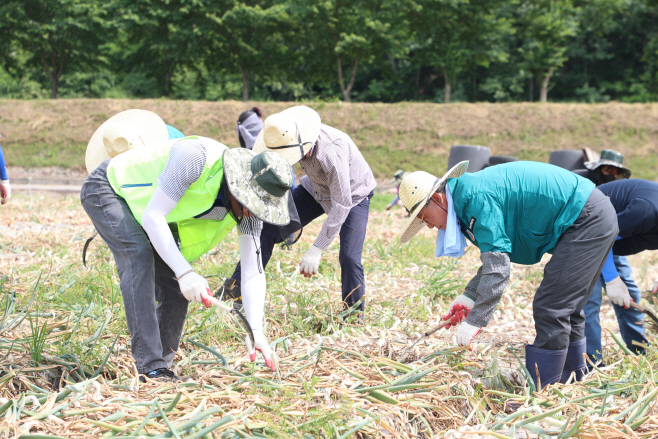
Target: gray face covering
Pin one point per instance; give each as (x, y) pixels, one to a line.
(248, 131)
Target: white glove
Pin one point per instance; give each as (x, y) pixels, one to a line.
(459, 310)
(310, 262)
(5, 190)
(617, 291)
(262, 346)
(466, 333)
(194, 287)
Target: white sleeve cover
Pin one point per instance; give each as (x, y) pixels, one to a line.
(154, 223)
(253, 281)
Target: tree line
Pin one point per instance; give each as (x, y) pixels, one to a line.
(352, 50)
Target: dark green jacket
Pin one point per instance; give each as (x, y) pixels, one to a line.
(519, 208)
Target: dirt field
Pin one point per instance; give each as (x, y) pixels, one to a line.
(391, 136)
(335, 379)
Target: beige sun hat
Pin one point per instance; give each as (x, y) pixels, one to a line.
(290, 133)
(122, 132)
(416, 190)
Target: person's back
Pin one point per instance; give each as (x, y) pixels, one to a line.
(520, 208)
(636, 203)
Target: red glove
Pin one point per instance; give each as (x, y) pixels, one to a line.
(459, 310)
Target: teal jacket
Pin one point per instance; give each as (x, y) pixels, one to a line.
(519, 208)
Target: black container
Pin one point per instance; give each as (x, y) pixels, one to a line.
(500, 159)
(569, 159)
(477, 156)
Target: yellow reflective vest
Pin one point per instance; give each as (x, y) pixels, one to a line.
(133, 176)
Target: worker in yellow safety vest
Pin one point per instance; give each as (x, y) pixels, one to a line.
(159, 206)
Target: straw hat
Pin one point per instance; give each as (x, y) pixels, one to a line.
(260, 182)
(416, 190)
(122, 132)
(291, 133)
(612, 158)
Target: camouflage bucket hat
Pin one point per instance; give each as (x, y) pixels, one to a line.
(612, 158)
(260, 182)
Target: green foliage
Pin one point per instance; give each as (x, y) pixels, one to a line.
(361, 50)
(37, 340)
(546, 29)
(455, 35)
(56, 35)
(248, 38)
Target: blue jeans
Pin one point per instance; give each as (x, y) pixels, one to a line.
(629, 320)
(352, 236)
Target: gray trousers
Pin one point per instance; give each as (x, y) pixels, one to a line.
(155, 308)
(572, 272)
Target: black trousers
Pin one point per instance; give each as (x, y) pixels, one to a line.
(571, 274)
(352, 235)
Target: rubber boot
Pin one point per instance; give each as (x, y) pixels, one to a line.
(549, 363)
(575, 361)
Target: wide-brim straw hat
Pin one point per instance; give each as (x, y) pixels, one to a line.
(290, 133)
(416, 190)
(260, 182)
(612, 158)
(123, 132)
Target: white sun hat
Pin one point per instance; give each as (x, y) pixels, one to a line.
(122, 132)
(415, 191)
(291, 133)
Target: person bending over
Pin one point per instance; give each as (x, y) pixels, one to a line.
(516, 212)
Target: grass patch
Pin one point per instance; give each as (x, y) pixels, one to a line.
(378, 202)
(410, 136)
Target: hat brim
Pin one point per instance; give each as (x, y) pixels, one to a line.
(263, 205)
(309, 124)
(594, 165)
(149, 125)
(414, 224)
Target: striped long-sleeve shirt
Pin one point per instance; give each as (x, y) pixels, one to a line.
(338, 177)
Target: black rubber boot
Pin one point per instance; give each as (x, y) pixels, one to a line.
(549, 364)
(575, 362)
(230, 291)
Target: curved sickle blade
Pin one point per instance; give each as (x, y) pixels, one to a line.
(427, 334)
(84, 249)
(234, 312)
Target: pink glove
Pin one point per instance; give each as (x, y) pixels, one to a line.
(459, 310)
(262, 346)
(466, 333)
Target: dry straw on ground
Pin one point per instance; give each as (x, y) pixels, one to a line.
(334, 379)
